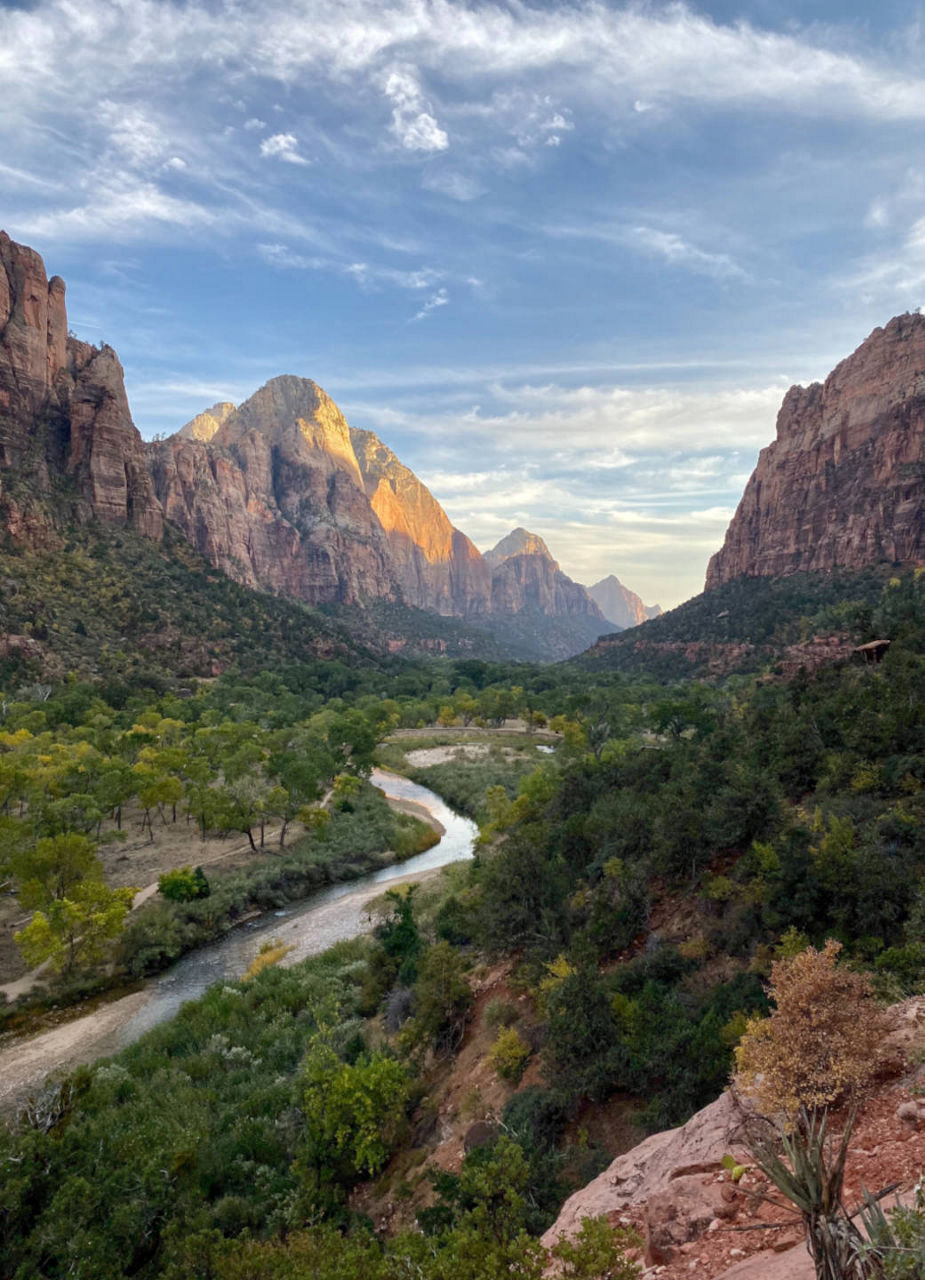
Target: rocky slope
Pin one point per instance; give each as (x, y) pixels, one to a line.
(619, 605)
(844, 482)
(696, 1220)
(68, 447)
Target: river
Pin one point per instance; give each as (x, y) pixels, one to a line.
(328, 916)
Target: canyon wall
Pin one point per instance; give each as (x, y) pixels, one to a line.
(843, 485)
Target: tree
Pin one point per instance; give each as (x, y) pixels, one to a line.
(821, 1045)
(50, 870)
(354, 1114)
(75, 930)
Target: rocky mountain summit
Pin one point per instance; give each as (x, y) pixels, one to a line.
(621, 606)
(526, 579)
(843, 485)
(69, 449)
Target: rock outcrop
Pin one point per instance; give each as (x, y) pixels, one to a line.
(526, 579)
(69, 449)
(204, 426)
(843, 485)
(619, 605)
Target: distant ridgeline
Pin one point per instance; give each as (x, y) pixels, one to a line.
(279, 493)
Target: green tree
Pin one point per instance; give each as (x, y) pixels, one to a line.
(354, 1114)
(74, 931)
(50, 871)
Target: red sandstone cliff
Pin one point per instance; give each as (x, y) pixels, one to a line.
(437, 565)
(275, 498)
(63, 415)
(844, 482)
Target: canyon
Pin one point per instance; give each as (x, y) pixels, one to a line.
(280, 492)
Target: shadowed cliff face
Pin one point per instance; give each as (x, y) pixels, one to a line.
(619, 605)
(63, 415)
(843, 485)
(526, 579)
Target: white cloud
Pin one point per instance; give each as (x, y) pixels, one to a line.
(133, 133)
(119, 208)
(367, 275)
(414, 126)
(283, 146)
(677, 251)
(254, 123)
(438, 299)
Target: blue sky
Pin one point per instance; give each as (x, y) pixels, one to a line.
(564, 258)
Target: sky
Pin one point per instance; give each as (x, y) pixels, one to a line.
(564, 258)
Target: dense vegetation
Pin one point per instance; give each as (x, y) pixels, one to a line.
(639, 881)
(748, 623)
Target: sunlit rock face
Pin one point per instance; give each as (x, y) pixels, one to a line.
(275, 497)
(619, 605)
(843, 485)
(437, 565)
(64, 416)
(282, 494)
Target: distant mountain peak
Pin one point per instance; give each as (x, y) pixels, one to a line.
(204, 426)
(519, 542)
(619, 605)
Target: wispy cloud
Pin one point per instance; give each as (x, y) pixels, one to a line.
(679, 252)
(438, 299)
(367, 275)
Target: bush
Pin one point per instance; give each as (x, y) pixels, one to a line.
(508, 1055)
(184, 885)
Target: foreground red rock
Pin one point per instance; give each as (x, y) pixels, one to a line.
(843, 485)
(697, 1221)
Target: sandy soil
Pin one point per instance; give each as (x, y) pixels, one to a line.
(24, 1064)
(137, 862)
(423, 757)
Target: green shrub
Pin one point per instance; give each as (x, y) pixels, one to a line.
(509, 1054)
(184, 885)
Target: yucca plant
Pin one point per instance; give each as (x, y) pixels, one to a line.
(807, 1166)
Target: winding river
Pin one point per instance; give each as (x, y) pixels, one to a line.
(332, 914)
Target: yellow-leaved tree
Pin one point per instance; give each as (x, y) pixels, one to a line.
(821, 1047)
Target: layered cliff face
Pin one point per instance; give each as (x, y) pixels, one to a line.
(276, 498)
(64, 416)
(526, 579)
(619, 605)
(437, 565)
(843, 485)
